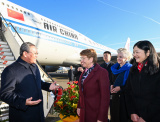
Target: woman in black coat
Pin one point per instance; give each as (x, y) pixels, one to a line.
(143, 84)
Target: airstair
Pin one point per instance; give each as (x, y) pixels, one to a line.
(9, 52)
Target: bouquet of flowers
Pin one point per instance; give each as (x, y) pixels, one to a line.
(67, 105)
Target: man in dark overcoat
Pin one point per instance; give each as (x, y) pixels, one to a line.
(71, 74)
(107, 63)
(21, 86)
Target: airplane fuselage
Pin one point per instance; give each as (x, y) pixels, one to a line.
(57, 44)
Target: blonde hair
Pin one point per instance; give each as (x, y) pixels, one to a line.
(125, 53)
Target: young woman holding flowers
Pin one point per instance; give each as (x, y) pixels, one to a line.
(94, 95)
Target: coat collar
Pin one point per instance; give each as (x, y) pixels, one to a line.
(24, 63)
(92, 73)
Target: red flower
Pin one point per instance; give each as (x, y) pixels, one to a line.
(65, 89)
(68, 83)
(73, 97)
(76, 82)
(72, 86)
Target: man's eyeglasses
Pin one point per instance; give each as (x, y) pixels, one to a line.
(33, 53)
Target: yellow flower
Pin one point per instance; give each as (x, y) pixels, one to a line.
(74, 105)
(60, 103)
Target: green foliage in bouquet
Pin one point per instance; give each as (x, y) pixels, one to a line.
(67, 105)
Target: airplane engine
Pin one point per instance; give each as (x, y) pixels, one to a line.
(50, 68)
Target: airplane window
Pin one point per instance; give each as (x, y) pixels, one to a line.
(17, 9)
(41, 19)
(29, 31)
(20, 10)
(24, 12)
(24, 30)
(28, 13)
(2, 3)
(12, 7)
(20, 29)
(7, 5)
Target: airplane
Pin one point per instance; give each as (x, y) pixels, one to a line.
(58, 45)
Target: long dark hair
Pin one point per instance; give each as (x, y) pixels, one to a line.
(152, 60)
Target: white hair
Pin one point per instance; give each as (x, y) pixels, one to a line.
(125, 53)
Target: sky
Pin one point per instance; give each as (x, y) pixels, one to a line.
(108, 22)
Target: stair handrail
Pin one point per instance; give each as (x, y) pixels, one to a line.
(23, 42)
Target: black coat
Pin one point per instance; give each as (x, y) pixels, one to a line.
(20, 81)
(71, 75)
(108, 68)
(143, 95)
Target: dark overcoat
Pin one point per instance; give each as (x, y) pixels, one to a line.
(108, 68)
(143, 95)
(71, 75)
(20, 81)
(95, 97)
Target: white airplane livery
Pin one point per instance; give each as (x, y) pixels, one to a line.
(57, 44)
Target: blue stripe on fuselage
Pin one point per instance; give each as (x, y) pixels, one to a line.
(40, 30)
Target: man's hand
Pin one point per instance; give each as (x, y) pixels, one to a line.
(53, 86)
(29, 102)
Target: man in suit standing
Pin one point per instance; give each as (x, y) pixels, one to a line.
(21, 86)
(71, 74)
(107, 63)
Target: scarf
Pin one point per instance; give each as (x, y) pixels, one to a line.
(126, 67)
(140, 66)
(87, 71)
